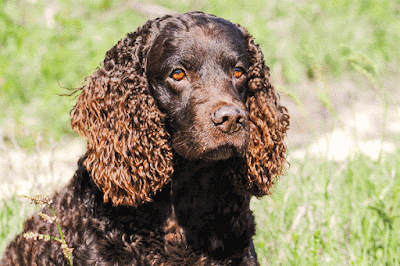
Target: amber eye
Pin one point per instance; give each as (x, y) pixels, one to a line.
(238, 72)
(178, 74)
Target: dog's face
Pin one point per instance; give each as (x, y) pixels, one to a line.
(198, 76)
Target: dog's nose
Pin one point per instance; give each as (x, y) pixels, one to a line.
(229, 119)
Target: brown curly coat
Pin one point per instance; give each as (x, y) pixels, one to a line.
(144, 194)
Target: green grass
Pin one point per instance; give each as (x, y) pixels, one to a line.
(330, 213)
(40, 62)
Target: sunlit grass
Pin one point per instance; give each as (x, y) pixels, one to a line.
(332, 213)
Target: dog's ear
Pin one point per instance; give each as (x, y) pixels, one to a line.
(128, 156)
(269, 122)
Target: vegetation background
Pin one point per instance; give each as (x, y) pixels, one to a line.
(334, 63)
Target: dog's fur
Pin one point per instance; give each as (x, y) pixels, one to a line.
(183, 127)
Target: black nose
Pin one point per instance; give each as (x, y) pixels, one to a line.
(229, 119)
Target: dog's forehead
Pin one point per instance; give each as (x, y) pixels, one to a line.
(209, 41)
(200, 31)
(193, 44)
(212, 36)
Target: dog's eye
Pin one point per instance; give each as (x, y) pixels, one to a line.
(178, 74)
(238, 72)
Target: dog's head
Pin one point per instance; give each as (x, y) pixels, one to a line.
(193, 85)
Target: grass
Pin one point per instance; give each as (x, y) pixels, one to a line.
(332, 213)
(321, 212)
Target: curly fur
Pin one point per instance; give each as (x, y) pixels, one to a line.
(128, 152)
(144, 194)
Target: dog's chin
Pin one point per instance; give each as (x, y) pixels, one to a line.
(222, 153)
(210, 154)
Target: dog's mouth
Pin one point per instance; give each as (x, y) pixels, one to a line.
(211, 146)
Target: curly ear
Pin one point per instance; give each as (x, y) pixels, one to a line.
(269, 122)
(128, 155)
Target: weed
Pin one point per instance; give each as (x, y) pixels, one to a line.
(45, 201)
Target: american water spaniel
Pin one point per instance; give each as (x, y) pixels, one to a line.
(183, 126)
